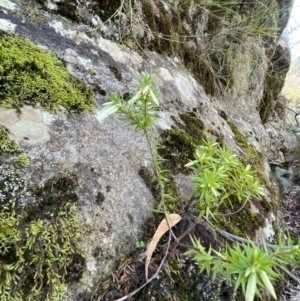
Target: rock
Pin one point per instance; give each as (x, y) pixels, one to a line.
(234, 107)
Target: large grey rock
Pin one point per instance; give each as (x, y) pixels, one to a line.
(114, 202)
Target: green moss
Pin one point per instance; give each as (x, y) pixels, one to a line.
(178, 149)
(37, 257)
(179, 145)
(193, 126)
(21, 160)
(6, 144)
(29, 75)
(39, 238)
(241, 224)
(252, 157)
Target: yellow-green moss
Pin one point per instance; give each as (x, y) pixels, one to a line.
(243, 224)
(36, 257)
(6, 144)
(39, 238)
(252, 157)
(30, 75)
(179, 145)
(22, 160)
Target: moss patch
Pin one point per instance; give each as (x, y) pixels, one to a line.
(193, 126)
(29, 75)
(179, 145)
(252, 157)
(6, 144)
(36, 256)
(39, 249)
(241, 224)
(172, 37)
(22, 160)
(178, 149)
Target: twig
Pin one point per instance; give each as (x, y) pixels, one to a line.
(232, 213)
(244, 240)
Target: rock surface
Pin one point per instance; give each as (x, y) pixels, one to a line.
(114, 202)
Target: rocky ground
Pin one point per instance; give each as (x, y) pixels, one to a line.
(291, 213)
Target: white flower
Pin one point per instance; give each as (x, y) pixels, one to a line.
(105, 112)
(154, 97)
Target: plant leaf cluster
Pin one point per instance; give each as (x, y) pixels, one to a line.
(141, 110)
(22, 160)
(249, 265)
(219, 177)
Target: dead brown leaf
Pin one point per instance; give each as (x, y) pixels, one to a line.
(163, 227)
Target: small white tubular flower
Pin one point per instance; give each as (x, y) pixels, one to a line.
(153, 97)
(145, 90)
(135, 98)
(105, 112)
(251, 287)
(266, 281)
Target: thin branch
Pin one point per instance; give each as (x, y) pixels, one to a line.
(232, 237)
(234, 212)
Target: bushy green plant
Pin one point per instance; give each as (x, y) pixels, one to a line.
(219, 177)
(249, 265)
(6, 144)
